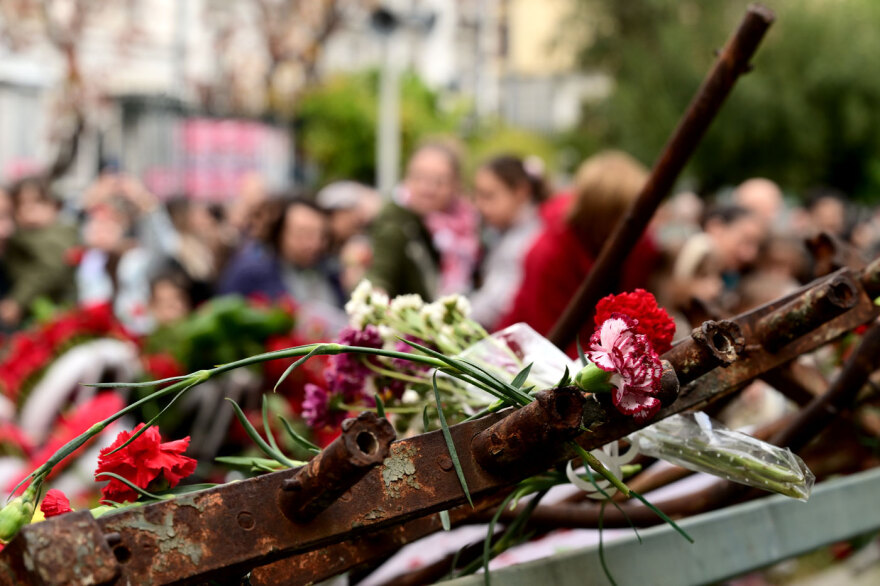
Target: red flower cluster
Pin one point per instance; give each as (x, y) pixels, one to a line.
(30, 351)
(650, 320)
(141, 462)
(55, 503)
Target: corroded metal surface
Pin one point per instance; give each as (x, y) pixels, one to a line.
(60, 552)
(363, 444)
(714, 343)
(531, 434)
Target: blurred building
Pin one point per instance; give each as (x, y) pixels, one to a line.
(152, 69)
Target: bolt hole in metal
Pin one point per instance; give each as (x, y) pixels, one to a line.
(122, 553)
(562, 404)
(843, 293)
(721, 342)
(367, 443)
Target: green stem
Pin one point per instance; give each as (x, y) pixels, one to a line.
(596, 465)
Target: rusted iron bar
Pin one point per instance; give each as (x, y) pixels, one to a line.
(871, 278)
(830, 253)
(732, 62)
(808, 312)
(822, 410)
(716, 343)
(363, 444)
(530, 434)
(798, 382)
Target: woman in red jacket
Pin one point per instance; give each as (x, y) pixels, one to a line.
(576, 228)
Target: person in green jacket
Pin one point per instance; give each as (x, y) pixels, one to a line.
(404, 257)
(36, 256)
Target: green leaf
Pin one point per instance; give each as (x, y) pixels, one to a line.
(602, 544)
(580, 351)
(130, 485)
(449, 444)
(426, 423)
(522, 377)
(269, 435)
(141, 385)
(445, 521)
(565, 380)
(254, 435)
(487, 544)
(252, 462)
(296, 365)
(380, 406)
(155, 418)
(662, 515)
(298, 439)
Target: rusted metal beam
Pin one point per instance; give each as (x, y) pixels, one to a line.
(732, 62)
(532, 433)
(715, 343)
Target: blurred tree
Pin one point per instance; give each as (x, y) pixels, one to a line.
(336, 123)
(805, 116)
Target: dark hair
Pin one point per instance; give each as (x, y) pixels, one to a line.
(727, 214)
(817, 194)
(37, 182)
(512, 172)
(277, 227)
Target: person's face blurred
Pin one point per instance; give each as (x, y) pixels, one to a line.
(104, 229)
(738, 242)
(304, 236)
(169, 304)
(829, 215)
(497, 203)
(431, 181)
(34, 210)
(345, 223)
(7, 223)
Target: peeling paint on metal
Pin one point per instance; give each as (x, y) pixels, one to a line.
(398, 470)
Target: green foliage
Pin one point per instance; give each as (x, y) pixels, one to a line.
(337, 123)
(805, 116)
(336, 127)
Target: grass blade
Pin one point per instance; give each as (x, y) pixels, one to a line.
(152, 421)
(451, 446)
(565, 380)
(296, 365)
(254, 435)
(663, 516)
(445, 521)
(522, 377)
(298, 439)
(580, 351)
(602, 545)
(269, 435)
(130, 485)
(380, 406)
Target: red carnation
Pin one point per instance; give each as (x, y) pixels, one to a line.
(143, 461)
(651, 320)
(162, 365)
(55, 503)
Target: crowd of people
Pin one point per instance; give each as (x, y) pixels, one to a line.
(517, 247)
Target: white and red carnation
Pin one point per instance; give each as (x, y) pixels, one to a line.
(617, 347)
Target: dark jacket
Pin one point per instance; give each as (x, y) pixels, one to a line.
(38, 264)
(404, 257)
(257, 270)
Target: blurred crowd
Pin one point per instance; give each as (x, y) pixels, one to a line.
(505, 237)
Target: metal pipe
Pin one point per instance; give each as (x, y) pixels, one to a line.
(732, 62)
(364, 443)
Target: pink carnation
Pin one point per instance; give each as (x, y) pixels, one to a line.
(617, 347)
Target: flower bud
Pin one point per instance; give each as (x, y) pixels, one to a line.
(593, 379)
(16, 514)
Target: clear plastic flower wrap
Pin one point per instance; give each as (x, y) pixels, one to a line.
(696, 442)
(508, 351)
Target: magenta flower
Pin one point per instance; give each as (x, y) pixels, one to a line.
(316, 408)
(346, 373)
(616, 347)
